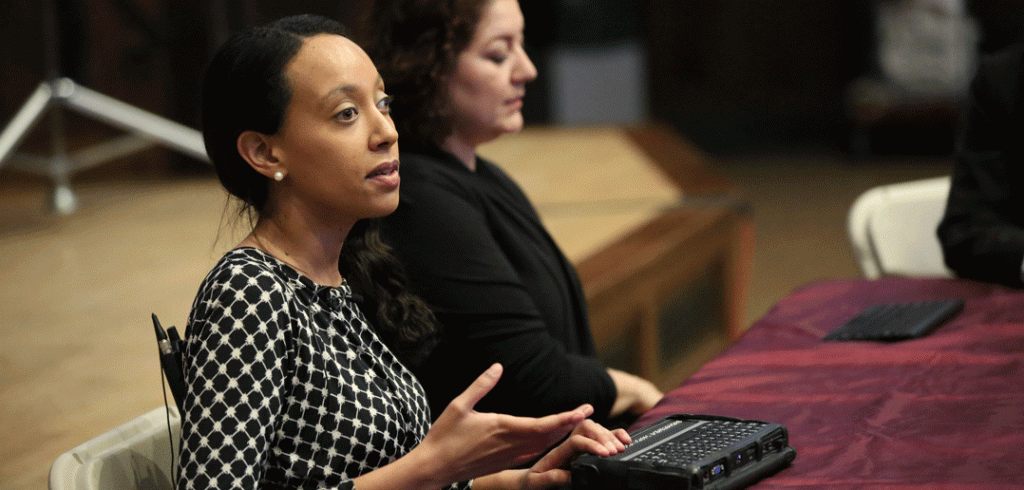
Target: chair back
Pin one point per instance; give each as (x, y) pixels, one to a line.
(135, 455)
(892, 229)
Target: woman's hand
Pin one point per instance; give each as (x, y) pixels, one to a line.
(636, 395)
(465, 444)
(470, 444)
(550, 471)
(588, 437)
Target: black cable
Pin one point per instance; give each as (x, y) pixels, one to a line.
(171, 377)
(170, 431)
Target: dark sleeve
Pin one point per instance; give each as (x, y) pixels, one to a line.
(235, 362)
(442, 237)
(982, 231)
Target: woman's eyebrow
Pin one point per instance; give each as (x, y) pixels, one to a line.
(346, 89)
(339, 91)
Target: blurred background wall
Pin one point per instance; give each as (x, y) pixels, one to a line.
(734, 76)
(753, 75)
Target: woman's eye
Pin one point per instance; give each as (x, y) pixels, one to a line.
(497, 58)
(385, 104)
(347, 114)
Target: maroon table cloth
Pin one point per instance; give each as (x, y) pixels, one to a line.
(945, 411)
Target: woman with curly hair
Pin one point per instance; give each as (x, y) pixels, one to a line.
(471, 242)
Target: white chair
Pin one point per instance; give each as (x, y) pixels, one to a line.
(135, 455)
(892, 229)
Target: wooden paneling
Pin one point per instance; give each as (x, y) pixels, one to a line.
(631, 283)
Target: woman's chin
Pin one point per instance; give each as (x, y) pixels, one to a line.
(515, 124)
(511, 128)
(384, 207)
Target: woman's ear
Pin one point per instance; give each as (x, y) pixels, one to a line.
(255, 148)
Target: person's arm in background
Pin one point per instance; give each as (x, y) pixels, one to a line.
(982, 231)
(636, 395)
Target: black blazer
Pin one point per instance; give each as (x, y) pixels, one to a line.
(475, 249)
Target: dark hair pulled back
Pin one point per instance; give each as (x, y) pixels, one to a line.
(245, 89)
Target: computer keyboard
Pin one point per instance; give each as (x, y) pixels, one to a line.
(689, 452)
(897, 321)
(706, 438)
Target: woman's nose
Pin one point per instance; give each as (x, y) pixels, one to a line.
(385, 133)
(525, 69)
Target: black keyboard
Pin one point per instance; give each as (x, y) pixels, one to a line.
(689, 452)
(897, 321)
(698, 441)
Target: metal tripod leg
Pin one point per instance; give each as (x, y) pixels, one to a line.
(132, 119)
(59, 168)
(24, 119)
(145, 129)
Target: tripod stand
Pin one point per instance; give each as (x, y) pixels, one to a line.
(57, 94)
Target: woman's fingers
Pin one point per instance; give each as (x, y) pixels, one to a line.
(588, 437)
(615, 440)
(479, 388)
(575, 445)
(623, 436)
(482, 443)
(531, 436)
(556, 478)
(537, 434)
(551, 423)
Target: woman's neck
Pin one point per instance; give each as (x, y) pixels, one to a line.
(465, 152)
(312, 253)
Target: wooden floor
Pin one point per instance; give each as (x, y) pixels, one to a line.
(78, 354)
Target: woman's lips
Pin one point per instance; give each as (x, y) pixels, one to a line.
(386, 174)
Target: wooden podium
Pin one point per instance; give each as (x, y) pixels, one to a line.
(663, 243)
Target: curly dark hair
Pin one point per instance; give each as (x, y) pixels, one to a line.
(245, 88)
(415, 45)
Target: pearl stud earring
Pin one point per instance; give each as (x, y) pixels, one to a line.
(279, 176)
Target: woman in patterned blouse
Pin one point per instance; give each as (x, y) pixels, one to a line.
(289, 385)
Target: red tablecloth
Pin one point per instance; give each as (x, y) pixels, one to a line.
(941, 412)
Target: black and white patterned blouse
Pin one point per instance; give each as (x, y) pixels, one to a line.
(289, 387)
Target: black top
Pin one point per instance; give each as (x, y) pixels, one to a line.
(288, 385)
(477, 252)
(982, 232)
